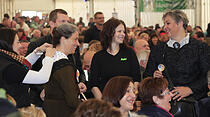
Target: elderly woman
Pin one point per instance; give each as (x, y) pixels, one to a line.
(116, 58)
(120, 90)
(61, 99)
(15, 71)
(155, 97)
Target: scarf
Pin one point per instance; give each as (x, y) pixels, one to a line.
(18, 58)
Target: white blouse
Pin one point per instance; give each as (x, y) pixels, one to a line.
(42, 76)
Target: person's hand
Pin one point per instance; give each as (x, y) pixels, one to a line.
(42, 95)
(181, 92)
(43, 47)
(209, 86)
(158, 74)
(82, 87)
(97, 93)
(50, 52)
(136, 84)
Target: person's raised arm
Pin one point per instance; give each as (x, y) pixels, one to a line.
(33, 57)
(43, 75)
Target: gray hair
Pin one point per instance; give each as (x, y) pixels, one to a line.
(66, 29)
(178, 16)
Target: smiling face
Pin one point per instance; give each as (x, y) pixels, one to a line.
(71, 43)
(171, 27)
(119, 34)
(141, 45)
(127, 101)
(23, 49)
(164, 102)
(16, 44)
(99, 19)
(155, 40)
(61, 18)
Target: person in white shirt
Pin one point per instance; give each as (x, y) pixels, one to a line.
(22, 25)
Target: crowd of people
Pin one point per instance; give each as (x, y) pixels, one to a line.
(54, 67)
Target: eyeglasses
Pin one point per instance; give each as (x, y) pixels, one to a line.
(165, 93)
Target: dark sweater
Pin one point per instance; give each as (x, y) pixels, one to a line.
(154, 111)
(92, 34)
(61, 92)
(105, 66)
(187, 66)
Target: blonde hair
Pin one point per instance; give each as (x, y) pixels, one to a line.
(95, 47)
(32, 111)
(178, 16)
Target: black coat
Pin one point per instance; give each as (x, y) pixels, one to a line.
(154, 111)
(12, 73)
(187, 66)
(92, 34)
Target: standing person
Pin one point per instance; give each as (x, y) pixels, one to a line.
(81, 22)
(61, 92)
(15, 73)
(116, 58)
(185, 59)
(120, 91)
(56, 17)
(91, 22)
(22, 25)
(155, 97)
(93, 32)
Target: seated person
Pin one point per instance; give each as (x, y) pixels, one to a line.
(155, 97)
(96, 108)
(120, 91)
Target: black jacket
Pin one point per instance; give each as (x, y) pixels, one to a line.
(187, 66)
(154, 111)
(12, 73)
(92, 34)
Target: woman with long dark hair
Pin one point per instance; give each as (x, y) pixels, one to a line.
(116, 58)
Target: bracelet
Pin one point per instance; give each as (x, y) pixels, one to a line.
(38, 53)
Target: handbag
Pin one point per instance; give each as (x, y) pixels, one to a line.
(183, 108)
